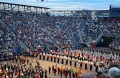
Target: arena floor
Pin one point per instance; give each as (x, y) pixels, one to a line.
(45, 65)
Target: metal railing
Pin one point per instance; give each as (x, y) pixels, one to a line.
(80, 34)
(99, 37)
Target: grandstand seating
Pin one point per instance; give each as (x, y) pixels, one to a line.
(116, 43)
(7, 40)
(34, 29)
(113, 28)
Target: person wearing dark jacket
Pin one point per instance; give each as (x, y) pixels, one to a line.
(90, 67)
(49, 69)
(70, 62)
(60, 72)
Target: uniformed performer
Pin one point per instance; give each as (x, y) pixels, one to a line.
(96, 68)
(47, 57)
(61, 72)
(53, 68)
(71, 57)
(62, 61)
(81, 64)
(78, 57)
(85, 66)
(90, 67)
(75, 63)
(87, 70)
(66, 61)
(49, 69)
(54, 58)
(43, 57)
(70, 62)
(36, 55)
(78, 73)
(58, 59)
(58, 70)
(40, 56)
(51, 58)
(82, 57)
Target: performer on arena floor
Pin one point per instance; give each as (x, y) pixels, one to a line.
(75, 63)
(70, 62)
(53, 68)
(54, 58)
(85, 66)
(58, 70)
(69, 72)
(47, 57)
(61, 72)
(51, 58)
(96, 68)
(71, 57)
(40, 56)
(87, 70)
(43, 57)
(81, 63)
(49, 69)
(90, 67)
(36, 55)
(66, 61)
(58, 59)
(62, 61)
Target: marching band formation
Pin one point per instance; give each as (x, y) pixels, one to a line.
(73, 62)
(80, 59)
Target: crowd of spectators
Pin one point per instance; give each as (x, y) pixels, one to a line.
(114, 27)
(7, 41)
(42, 29)
(33, 30)
(116, 43)
(92, 29)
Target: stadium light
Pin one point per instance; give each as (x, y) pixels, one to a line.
(41, 0)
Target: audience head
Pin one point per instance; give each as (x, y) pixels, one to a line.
(114, 72)
(112, 64)
(88, 75)
(101, 75)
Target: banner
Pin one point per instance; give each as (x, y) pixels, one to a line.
(16, 50)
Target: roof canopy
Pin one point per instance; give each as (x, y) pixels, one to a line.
(23, 5)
